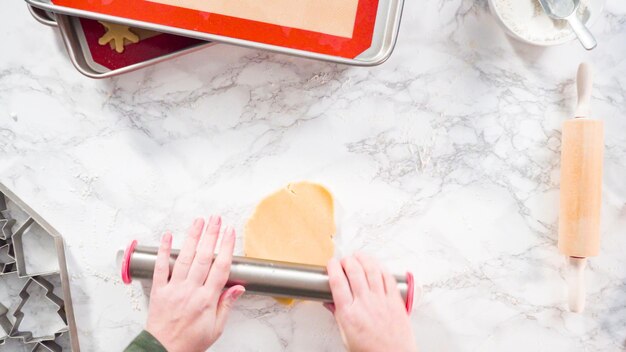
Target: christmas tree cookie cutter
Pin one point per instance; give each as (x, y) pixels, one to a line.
(13, 261)
(27, 336)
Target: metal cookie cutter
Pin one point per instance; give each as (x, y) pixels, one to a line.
(20, 256)
(27, 336)
(6, 223)
(50, 346)
(13, 261)
(5, 228)
(5, 323)
(7, 265)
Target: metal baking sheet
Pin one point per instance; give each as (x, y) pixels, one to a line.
(42, 16)
(385, 32)
(81, 56)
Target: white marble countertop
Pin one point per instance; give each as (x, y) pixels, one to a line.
(444, 161)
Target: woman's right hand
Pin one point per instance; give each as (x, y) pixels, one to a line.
(368, 307)
(188, 310)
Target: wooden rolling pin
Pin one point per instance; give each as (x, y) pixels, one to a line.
(582, 147)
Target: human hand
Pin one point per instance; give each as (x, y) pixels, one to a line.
(188, 311)
(368, 307)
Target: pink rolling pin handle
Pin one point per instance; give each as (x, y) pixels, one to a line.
(128, 253)
(410, 292)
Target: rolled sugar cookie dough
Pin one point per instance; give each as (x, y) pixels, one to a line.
(295, 224)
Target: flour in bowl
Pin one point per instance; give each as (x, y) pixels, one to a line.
(526, 19)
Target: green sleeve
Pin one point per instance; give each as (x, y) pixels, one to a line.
(145, 342)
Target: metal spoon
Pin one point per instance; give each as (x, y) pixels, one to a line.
(566, 10)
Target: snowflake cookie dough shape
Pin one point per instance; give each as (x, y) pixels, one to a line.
(116, 35)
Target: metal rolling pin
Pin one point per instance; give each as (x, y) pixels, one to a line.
(258, 276)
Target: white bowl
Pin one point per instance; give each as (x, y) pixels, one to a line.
(594, 10)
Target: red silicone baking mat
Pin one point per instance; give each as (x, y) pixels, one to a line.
(241, 28)
(157, 45)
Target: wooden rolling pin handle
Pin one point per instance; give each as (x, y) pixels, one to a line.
(577, 290)
(584, 83)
